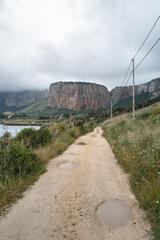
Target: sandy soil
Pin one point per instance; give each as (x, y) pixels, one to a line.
(63, 203)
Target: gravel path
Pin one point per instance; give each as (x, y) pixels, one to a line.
(63, 203)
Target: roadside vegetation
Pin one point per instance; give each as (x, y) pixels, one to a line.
(37, 115)
(136, 143)
(24, 158)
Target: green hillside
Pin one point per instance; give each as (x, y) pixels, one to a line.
(141, 101)
(38, 107)
(41, 110)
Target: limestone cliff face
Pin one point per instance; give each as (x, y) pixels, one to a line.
(16, 100)
(152, 88)
(78, 95)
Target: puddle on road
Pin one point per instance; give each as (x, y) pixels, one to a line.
(82, 143)
(114, 213)
(66, 165)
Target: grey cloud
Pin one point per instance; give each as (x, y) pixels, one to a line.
(78, 65)
(95, 44)
(2, 5)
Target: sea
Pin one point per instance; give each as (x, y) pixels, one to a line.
(13, 130)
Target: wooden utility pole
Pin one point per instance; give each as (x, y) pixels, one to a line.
(133, 105)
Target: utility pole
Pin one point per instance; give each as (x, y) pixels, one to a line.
(111, 108)
(133, 88)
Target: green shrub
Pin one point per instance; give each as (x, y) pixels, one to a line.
(61, 127)
(155, 111)
(5, 140)
(62, 142)
(144, 115)
(79, 122)
(17, 161)
(28, 137)
(32, 138)
(60, 146)
(74, 132)
(43, 137)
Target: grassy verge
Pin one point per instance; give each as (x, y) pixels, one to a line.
(137, 147)
(24, 158)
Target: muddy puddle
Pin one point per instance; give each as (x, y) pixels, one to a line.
(82, 143)
(114, 214)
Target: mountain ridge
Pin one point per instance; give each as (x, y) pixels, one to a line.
(121, 96)
(16, 101)
(152, 88)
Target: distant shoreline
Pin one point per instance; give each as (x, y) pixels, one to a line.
(17, 123)
(20, 124)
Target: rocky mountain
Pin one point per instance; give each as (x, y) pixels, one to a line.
(78, 95)
(143, 92)
(14, 101)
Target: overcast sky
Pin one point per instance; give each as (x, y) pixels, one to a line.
(44, 41)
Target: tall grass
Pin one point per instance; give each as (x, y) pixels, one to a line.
(137, 147)
(64, 137)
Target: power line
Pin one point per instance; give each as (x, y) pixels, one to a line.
(126, 74)
(124, 81)
(128, 78)
(123, 88)
(147, 54)
(135, 67)
(147, 36)
(151, 30)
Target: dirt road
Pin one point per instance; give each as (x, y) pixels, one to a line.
(65, 202)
